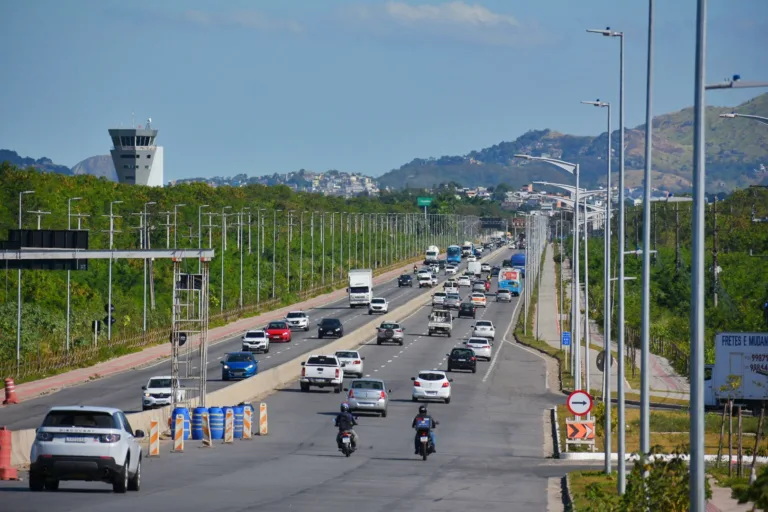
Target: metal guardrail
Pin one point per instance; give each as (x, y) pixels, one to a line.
(41, 364)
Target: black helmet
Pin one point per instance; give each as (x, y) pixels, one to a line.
(344, 407)
(423, 409)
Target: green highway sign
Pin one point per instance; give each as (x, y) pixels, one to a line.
(424, 201)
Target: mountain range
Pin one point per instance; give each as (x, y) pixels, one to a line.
(737, 155)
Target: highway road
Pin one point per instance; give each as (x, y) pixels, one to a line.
(490, 445)
(123, 390)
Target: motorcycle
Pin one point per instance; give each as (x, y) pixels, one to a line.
(426, 444)
(346, 443)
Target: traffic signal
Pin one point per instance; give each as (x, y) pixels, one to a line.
(180, 338)
(109, 309)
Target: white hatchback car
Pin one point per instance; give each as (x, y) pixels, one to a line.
(485, 267)
(353, 361)
(450, 269)
(481, 346)
(431, 385)
(484, 329)
(471, 259)
(464, 281)
(438, 298)
(86, 443)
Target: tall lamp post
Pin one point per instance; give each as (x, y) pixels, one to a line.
(111, 240)
(607, 296)
(734, 115)
(175, 223)
(698, 288)
(18, 294)
(570, 168)
(145, 240)
(69, 272)
(223, 249)
(620, 334)
(200, 233)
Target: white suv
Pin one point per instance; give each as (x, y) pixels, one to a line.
(378, 305)
(297, 320)
(158, 392)
(254, 341)
(87, 444)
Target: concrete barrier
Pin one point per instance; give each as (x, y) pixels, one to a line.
(252, 389)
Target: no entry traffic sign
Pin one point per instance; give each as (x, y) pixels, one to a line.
(579, 403)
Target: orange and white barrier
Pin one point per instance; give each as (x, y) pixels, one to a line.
(229, 426)
(248, 422)
(154, 438)
(207, 441)
(263, 428)
(178, 434)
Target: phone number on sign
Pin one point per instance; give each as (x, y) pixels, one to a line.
(759, 368)
(760, 357)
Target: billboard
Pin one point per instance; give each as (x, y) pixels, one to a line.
(491, 223)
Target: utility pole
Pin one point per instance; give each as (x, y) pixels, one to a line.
(167, 225)
(111, 232)
(677, 240)
(69, 272)
(715, 270)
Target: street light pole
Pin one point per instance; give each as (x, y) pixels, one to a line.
(176, 224)
(111, 240)
(18, 294)
(69, 272)
(223, 251)
(145, 243)
(200, 233)
(607, 313)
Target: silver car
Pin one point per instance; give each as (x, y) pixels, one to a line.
(390, 332)
(368, 395)
(452, 300)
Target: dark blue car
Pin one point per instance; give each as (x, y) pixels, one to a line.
(239, 365)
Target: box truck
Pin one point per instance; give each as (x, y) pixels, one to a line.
(740, 371)
(360, 288)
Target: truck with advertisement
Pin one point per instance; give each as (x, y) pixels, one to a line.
(432, 254)
(453, 254)
(740, 372)
(467, 249)
(360, 288)
(509, 279)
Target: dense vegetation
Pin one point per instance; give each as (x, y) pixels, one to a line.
(394, 225)
(735, 150)
(742, 285)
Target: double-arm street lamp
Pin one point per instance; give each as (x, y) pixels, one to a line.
(571, 168)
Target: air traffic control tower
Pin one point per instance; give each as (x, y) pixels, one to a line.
(138, 161)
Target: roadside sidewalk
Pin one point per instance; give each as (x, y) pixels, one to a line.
(149, 355)
(665, 382)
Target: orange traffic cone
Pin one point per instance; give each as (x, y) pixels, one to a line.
(10, 392)
(7, 472)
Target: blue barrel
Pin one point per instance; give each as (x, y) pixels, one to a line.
(197, 423)
(184, 412)
(216, 418)
(239, 410)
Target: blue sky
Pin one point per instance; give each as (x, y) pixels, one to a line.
(256, 87)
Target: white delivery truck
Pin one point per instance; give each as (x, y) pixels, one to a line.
(474, 268)
(360, 288)
(740, 371)
(431, 255)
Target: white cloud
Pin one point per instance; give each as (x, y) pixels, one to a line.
(455, 13)
(454, 20)
(246, 19)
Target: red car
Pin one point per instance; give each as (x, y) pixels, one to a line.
(278, 332)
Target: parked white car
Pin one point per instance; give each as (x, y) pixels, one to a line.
(353, 362)
(431, 385)
(378, 305)
(158, 392)
(86, 443)
(481, 346)
(484, 329)
(297, 320)
(256, 341)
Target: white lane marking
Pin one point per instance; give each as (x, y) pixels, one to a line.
(375, 370)
(367, 374)
(222, 357)
(389, 361)
(496, 356)
(394, 356)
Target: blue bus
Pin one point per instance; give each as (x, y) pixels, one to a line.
(509, 279)
(454, 254)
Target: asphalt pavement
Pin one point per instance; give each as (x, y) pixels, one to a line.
(123, 390)
(490, 444)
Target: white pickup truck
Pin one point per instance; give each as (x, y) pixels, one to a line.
(440, 321)
(322, 371)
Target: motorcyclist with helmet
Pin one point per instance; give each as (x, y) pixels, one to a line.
(424, 418)
(345, 422)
